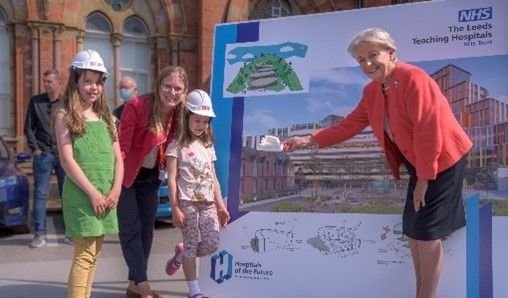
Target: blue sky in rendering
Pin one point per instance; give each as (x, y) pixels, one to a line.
(337, 91)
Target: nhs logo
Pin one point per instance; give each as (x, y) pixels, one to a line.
(475, 14)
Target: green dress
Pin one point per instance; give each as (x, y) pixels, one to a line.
(93, 151)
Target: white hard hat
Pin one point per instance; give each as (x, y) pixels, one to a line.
(89, 59)
(200, 103)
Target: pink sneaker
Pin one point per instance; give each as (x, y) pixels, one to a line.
(173, 265)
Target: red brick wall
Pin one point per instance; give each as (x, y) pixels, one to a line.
(194, 21)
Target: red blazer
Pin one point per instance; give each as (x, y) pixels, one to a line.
(136, 139)
(420, 119)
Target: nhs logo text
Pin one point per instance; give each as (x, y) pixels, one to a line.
(475, 14)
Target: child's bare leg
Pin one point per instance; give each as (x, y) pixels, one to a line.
(190, 271)
(189, 268)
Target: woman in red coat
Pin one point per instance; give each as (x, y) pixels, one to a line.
(414, 124)
(146, 127)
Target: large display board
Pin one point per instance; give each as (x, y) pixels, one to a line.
(289, 76)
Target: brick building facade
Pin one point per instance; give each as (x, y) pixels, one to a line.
(136, 37)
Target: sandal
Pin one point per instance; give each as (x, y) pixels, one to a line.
(173, 265)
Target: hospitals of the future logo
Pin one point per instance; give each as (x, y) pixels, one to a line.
(223, 266)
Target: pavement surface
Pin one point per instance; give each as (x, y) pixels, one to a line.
(42, 272)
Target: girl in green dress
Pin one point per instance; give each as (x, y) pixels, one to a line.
(90, 155)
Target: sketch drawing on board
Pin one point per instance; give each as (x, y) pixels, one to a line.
(267, 239)
(341, 241)
(393, 245)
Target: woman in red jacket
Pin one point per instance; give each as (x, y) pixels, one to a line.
(414, 124)
(146, 127)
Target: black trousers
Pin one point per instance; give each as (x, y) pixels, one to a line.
(136, 210)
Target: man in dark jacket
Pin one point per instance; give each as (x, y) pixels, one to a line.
(40, 138)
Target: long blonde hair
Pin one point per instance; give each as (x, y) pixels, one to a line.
(158, 117)
(71, 105)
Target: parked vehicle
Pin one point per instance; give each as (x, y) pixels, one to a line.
(164, 208)
(14, 189)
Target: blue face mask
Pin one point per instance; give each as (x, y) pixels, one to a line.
(125, 94)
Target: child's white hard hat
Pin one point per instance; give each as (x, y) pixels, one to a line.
(89, 59)
(200, 103)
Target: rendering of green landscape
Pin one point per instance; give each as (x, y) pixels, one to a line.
(265, 72)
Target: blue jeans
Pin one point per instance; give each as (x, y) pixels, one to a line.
(43, 166)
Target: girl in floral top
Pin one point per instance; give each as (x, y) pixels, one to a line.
(197, 205)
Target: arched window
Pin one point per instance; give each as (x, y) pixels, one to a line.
(242, 167)
(135, 53)
(97, 37)
(255, 187)
(98, 23)
(271, 9)
(6, 115)
(277, 8)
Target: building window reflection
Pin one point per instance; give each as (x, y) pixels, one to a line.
(6, 113)
(271, 9)
(98, 37)
(135, 53)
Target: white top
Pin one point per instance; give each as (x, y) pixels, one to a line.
(150, 159)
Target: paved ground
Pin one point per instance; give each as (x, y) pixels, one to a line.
(42, 272)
